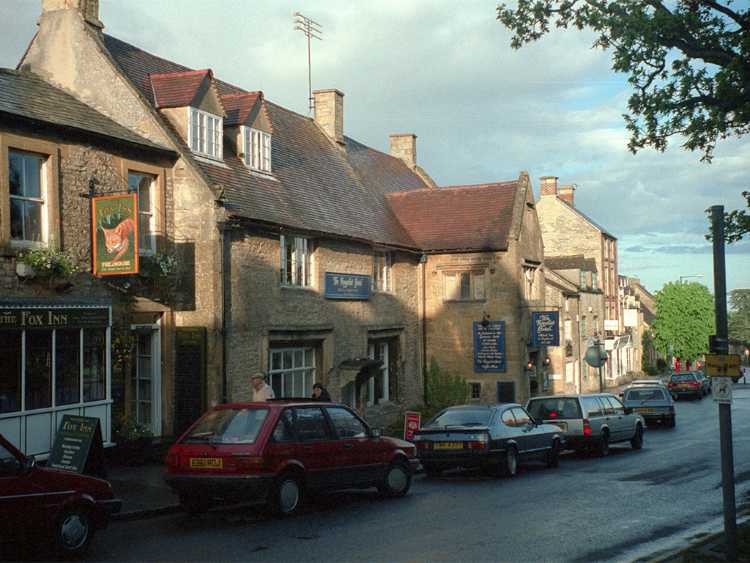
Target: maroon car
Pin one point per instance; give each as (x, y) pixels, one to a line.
(276, 452)
(63, 506)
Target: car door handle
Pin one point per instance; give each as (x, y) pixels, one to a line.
(348, 446)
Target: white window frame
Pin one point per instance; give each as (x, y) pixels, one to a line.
(382, 271)
(385, 349)
(295, 370)
(302, 255)
(476, 291)
(155, 379)
(257, 149)
(529, 279)
(201, 145)
(151, 234)
(27, 243)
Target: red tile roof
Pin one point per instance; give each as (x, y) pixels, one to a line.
(476, 217)
(239, 106)
(177, 89)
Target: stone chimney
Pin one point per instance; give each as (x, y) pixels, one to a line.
(329, 113)
(566, 194)
(548, 185)
(404, 146)
(89, 9)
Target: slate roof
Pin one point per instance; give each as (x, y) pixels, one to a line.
(475, 217)
(571, 262)
(239, 106)
(27, 96)
(177, 89)
(316, 186)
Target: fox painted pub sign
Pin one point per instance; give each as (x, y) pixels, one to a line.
(115, 234)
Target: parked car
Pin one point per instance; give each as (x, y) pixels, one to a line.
(278, 451)
(704, 381)
(652, 402)
(62, 506)
(592, 421)
(685, 384)
(493, 437)
(655, 381)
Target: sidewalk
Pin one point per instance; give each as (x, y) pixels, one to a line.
(142, 490)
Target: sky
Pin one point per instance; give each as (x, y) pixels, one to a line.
(482, 111)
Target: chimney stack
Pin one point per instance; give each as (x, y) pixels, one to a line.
(404, 146)
(548, 185)
(89, 9)
(329, 113)
(566, 194)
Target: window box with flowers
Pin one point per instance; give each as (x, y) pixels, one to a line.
(44, 264)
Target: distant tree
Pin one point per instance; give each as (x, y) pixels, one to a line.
(739, 316)
(684, 319)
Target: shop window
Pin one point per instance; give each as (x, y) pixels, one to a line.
(67, 366)
(381, 271)
(292, 372)
(476, 391)
(10, 375)
(295, 261)
(27, 197)
(94, 364)
(38, 369)
(464, 286)
(144, 185)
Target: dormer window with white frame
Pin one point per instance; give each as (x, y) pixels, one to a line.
(257, 149)
(206, 133)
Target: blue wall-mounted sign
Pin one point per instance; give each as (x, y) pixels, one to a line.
(347, 286)
(545, 328)
(489, 347)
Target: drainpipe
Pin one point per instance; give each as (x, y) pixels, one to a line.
(423, 262)
(225, 251)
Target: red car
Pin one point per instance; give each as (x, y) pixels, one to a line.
(276, 452)
(61, 505)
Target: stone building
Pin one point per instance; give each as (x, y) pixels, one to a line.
(566, 231)
(57, 330)
(482, 275)
(586, 323)
(563, 373)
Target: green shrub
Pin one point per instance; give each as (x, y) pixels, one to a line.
(444, 389)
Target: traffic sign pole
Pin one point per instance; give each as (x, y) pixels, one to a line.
(720, 345)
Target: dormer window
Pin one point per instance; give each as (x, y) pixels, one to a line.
(206, 133)
(258, 150)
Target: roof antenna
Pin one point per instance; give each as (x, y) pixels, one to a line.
(311, 29)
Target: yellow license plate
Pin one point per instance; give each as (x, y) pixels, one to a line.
(448, 445)
(645, 410)
(206, 462)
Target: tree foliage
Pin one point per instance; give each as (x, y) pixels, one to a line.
(444, 389)
(687, 60)
(684, 319)
(739, 316)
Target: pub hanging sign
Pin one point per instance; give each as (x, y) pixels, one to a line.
(545, 328)
(115, 234)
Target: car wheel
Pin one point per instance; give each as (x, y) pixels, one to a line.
(553, 454)
(194, 505)
(397, 480)
(74, 532)
(603, 446)
(636, 441)
(286, 495)
(510, 463)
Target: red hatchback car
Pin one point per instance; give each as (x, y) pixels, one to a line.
(61, 505)
(277, 451)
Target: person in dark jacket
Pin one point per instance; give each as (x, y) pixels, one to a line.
(320, 393)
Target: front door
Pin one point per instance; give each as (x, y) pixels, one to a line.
(145, 384)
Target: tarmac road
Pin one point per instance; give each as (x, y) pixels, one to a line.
(589, 509)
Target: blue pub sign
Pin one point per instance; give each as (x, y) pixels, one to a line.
(489, 347)
(347, 286)
(545, 328)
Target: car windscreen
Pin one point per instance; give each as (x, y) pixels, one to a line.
(562, 408)
(228, 426)
(461, 417)
(684, 377)
(645, 394)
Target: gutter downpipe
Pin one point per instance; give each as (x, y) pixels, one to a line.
(423, 261)
(225, 305)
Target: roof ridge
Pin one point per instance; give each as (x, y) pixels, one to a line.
(479, 185)
(180, 73)
(239, 94)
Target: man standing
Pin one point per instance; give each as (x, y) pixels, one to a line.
(261, 390)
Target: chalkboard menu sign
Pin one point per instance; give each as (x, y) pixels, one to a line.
(489, 347)
(78, 445)
(545, 328)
